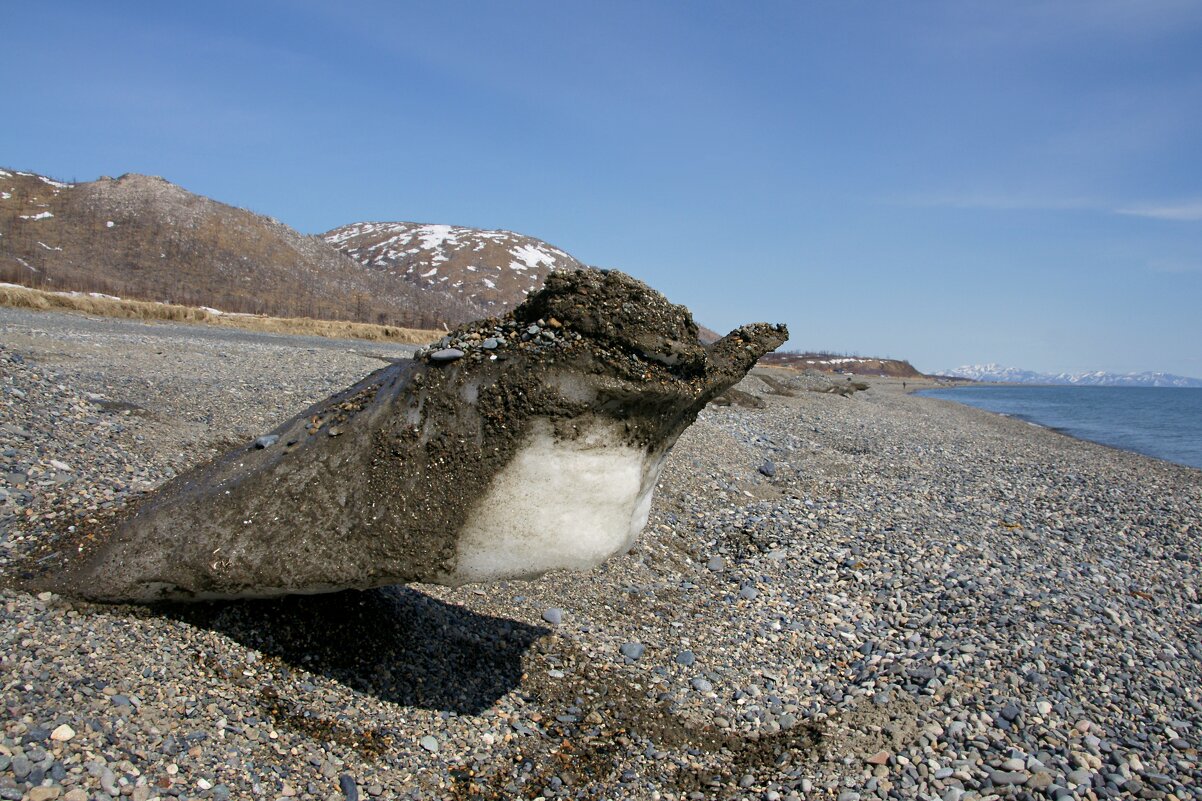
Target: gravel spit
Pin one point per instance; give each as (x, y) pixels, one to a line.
(917, 600)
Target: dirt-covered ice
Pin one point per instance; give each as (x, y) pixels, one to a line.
(512, 447)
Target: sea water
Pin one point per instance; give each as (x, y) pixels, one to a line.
(1156, 421)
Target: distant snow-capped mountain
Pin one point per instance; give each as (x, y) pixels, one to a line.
(490, 271)
(1092, 378)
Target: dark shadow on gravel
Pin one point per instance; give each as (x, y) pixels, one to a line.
(394, 643)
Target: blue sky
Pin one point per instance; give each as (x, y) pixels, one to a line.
(948, 182)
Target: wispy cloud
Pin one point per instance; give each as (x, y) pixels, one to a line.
(1180, 212)
(1001, 202)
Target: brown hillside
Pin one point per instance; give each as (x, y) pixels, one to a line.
(143, 237)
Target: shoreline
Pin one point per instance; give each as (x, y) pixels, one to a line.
(1058, 429)
(885, 595)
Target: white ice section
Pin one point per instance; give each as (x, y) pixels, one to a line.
(559, 504)
(41, 215)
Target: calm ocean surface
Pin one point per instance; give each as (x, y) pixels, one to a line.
(1161, 422)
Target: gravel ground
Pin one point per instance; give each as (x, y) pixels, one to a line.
(836, 597)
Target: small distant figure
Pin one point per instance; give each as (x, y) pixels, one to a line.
(903, 385)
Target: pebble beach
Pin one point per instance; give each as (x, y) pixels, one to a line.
(851, 597)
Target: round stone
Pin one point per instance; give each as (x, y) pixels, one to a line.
(632, 650)
(62, 733)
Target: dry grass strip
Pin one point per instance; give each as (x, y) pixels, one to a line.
(103, 306)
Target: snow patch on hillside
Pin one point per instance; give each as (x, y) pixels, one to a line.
(455, 257)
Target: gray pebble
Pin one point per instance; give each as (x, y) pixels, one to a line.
(553, 615)
(21, 767)
(1007, 777)
(632, 650)
(108, 782)
(446, 355)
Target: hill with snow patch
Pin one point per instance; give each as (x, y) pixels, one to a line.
(145, 238)
(487, 271)
(142, 237)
